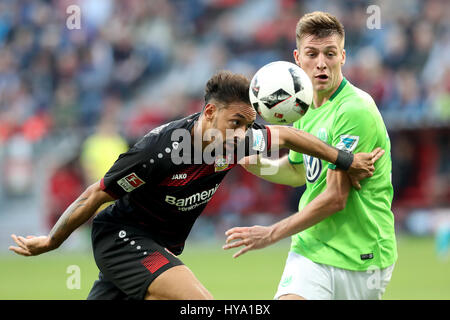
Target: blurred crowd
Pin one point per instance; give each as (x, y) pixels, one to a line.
(133, 65)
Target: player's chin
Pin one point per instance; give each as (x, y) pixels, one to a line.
(322, 86)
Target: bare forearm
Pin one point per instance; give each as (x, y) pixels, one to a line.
(258, 237)
(319, 209)
(332, 200)
(80, 211)
(275, 170)
(304, 142)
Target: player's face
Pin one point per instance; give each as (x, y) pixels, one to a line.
(232, 122)
(322, 59)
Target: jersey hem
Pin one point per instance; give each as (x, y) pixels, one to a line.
(346, 267)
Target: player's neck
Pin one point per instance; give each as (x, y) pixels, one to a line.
(320, 97)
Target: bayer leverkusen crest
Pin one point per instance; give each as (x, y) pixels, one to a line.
(221, 163)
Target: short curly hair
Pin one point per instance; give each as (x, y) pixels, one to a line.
(227, 87)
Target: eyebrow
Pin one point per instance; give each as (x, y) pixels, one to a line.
(239, 115)
(327, 47)
(242, 117)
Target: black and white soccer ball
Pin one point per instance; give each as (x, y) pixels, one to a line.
(281, 92)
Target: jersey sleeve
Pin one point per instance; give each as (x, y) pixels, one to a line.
(353, 128)
(135, 167)
(295, 157)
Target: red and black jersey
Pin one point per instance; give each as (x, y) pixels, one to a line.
(162, 185)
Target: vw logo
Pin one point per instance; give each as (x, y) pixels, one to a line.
(313, 168)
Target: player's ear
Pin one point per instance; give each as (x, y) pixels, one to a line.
(209, 111)
(296, 54)
(343, 57)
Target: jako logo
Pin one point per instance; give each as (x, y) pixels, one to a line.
(179, 176)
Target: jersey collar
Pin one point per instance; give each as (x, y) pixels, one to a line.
(339, 89)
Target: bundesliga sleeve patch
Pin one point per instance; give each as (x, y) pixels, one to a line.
(347, 142)
(258, 143)
(130, 182)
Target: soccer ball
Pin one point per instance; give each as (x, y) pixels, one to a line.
(281, 92)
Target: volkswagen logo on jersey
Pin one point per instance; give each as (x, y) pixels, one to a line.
(313, 168)
(322, 134)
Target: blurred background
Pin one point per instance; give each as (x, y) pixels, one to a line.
(72, 100)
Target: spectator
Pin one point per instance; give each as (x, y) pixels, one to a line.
(101, 149)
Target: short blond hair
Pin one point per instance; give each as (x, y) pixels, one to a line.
(320, 25)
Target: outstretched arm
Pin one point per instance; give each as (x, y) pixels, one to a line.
(358, 166)
(80, 211)
(279, 171)
(332, 200)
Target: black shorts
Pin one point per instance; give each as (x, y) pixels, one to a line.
(128, 260)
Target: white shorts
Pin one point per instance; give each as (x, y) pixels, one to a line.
(315, 281)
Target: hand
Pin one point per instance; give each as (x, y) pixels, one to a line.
(31, 245)
(362, 166)
(256, 237)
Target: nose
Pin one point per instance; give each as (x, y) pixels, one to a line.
(239, 135)
(321, 62)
